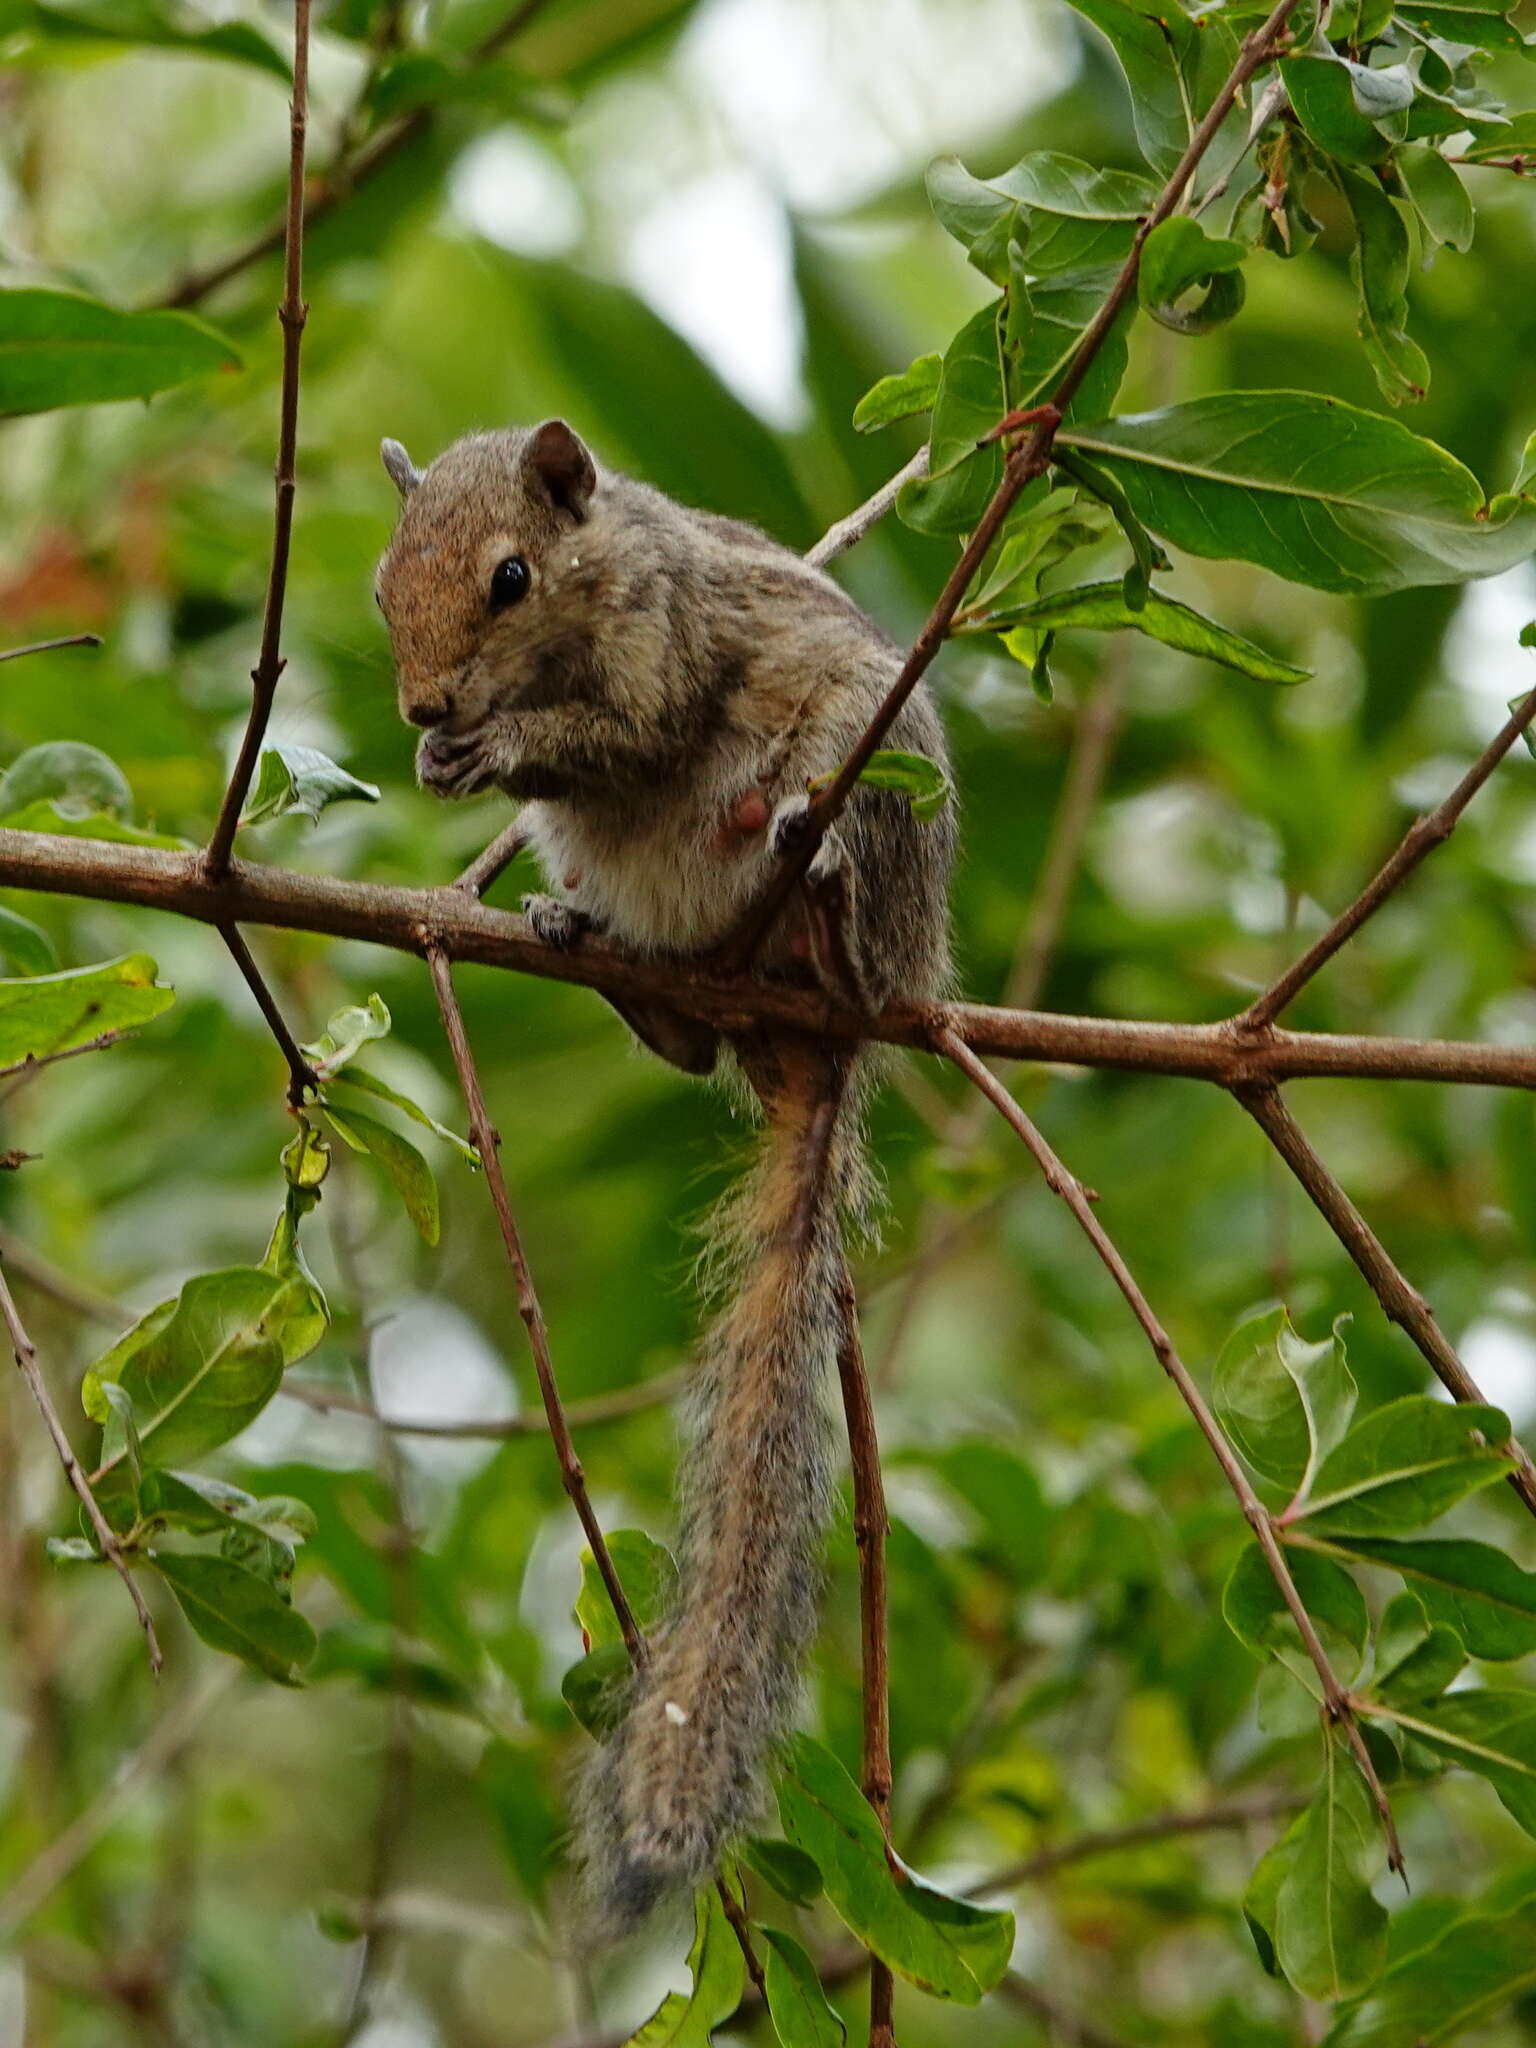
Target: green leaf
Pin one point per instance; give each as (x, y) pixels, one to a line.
(1415, 1659)
(1491, 1732)
(684, 2018)
(1137, 582)
(1172, 66)
(57, 349)
(648, 1575)
(594, 1688)
(383, 1660)
(1284, 1403)
(1323, 98)
(346, 1035)
(308, 1315)
(409, 1174)
(1004, 1494)
(917, 777)
(1475, 1969)
(78, 779)
(1179, 255)
(370, 1084)
(942, 1944)
(1477, 1590)
(200, 1368)
(47, 817)
(1404, 1465)
(1255, 1611)
(1379, 267)
(1458, 21)
(24, 945)
(1437, 196)
(913, 390)
(1075, 217)
(1261, 1901)
(48, 1013)
(789, 1870)
(797, 2005)
(1516, 138)
(235, 1611)
(1102, 608)
(1315, 490)
(127, 24)
(1330, 1934)
(980, 218)
(301, 779)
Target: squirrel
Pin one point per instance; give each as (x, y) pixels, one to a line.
(660, 687)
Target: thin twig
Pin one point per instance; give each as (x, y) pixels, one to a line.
(491, 860)
(1028, 460)
(487, 1140)
(1161, 1827)
(845, 533)
(1423, 835)
(870, 1524)
(302, 1078)
(346, 174)
(47, 646)
(1337, 1705)
(36, 1061)
(291, 313)
(468, 931)
(74, 1471)
(1401, 1302)
(580, 1415)
(59, 1286)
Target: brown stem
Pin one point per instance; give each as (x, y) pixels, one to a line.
(1028, 460)
(74, 1472)
(1239, 1813)
(291, 313)
(302, 1078)
(34, 1061)
(1337, 1705)
(491, 860)
(580, 1415)
(465, 930)
(1402, 1302)
(870, 1524)
(343, 178)
(1423, 835)
(47, 646)
(486, 1141)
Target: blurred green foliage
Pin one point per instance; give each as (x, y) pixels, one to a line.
(623, 172)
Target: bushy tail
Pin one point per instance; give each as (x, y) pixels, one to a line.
(681, 1773)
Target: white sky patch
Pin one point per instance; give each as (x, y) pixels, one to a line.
(836, 99)
(1501, 1357)
(430, 1363)
(509, 188)
(1482, 649)
(714, 259)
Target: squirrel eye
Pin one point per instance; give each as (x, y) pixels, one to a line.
(509, 582)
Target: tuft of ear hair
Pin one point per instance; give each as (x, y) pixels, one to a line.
(558, 459)
(403, 472)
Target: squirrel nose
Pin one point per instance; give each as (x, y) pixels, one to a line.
(427, 711)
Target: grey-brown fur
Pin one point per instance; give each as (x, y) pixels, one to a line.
(663, 666)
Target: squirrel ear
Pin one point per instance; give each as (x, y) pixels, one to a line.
(559, 459)
(404, 473)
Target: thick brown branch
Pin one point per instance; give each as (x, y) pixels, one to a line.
(487, 1141)
(74, 1471)
(469, 931)
(291, 313)
(1028, 460)
(1337, 1705)
(1421, 838)
(302, 1078)
(1402, 1303)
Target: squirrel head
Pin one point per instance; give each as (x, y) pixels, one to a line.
(483, 574)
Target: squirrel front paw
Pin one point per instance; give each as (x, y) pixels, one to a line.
(789, 827)
(555, 923)
(454, 764)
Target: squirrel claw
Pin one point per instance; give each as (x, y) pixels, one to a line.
(555, 923)
(789, 827)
